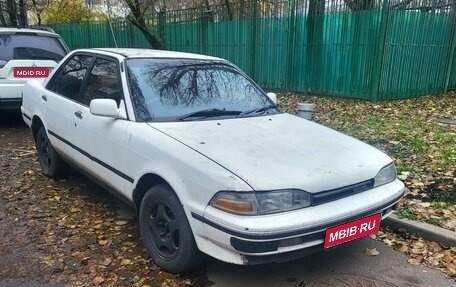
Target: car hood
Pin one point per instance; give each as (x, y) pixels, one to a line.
(280, 151)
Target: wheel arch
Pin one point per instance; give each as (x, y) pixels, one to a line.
(37, 123)
(147, 181)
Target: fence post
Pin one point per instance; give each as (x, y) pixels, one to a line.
(89, 34)
(161, 27)
(108, 34)
(290, 61)
(378, 64)
(131, 35)
(253, 46)
(451, 58)
(205, 19)
(314, 53)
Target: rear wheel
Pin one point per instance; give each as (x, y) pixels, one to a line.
(166, 232)
(51, 164)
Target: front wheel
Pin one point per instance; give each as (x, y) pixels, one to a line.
(51, 164)
(166, 232)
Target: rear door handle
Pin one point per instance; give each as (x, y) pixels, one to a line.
(78, 114)
(44, 98)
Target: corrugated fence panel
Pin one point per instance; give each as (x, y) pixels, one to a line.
(346, 54)
(272, 55)
(452, 69)
(182, 31)
(183, 37)
(99, 35)
(301, 68)
(416, 54)
(231, 40)
(378, 51)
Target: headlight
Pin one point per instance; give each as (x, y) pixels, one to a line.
(263, 202)
(385, 175)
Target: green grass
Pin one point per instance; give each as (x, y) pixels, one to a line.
(406, 213)
(406, 130)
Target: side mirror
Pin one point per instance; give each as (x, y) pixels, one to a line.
(273, 97)
(104, 108)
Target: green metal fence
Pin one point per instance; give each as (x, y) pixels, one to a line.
(345, 48)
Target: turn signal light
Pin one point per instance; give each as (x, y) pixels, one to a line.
(235, 205)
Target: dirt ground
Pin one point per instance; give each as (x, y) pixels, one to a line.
(73, 233)
(68, 232)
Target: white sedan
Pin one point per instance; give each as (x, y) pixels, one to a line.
(208, 160)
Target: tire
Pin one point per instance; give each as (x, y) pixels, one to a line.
(166, 232)
(51, 164)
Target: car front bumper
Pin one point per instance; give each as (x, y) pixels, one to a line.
(289, 235)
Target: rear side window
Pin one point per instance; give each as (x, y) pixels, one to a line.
(68, 81)
(29, 47)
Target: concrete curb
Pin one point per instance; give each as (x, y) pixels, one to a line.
(425, 230)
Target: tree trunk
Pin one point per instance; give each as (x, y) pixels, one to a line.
(2, 16)
(358, 5)
(136, 18)
(11, 10)
(22, 14)
(38, 11)
(229, 10)
(154, 42)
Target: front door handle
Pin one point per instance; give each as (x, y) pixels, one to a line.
(78, 114)
(44, 98)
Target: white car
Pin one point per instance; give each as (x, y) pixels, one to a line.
(26, 54)
(208, 160)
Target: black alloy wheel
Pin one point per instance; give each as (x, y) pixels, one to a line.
(51, 164)
(166, 232)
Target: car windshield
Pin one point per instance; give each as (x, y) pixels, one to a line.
(30, 47)
(177, 89)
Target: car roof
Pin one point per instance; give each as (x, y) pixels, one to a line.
(149, 53)
(25, 31)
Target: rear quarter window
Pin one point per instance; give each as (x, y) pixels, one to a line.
(30, 47)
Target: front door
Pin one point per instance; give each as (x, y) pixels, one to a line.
(102, 138)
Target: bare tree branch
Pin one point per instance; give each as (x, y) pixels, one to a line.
(136, 17)
(2, 17)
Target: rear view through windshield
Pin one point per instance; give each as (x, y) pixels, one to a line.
(29, 47)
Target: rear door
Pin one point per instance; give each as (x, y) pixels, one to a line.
(62, 93)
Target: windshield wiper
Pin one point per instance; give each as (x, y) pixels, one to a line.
(208, 114)
(258, 110)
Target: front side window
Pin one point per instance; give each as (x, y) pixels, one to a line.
(167, 89)
(103, 82)
(68, 81)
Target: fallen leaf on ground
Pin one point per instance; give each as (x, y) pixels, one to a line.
(106, 262)
(388, 242)
(371, 252)
(414, 261)
(98, 280)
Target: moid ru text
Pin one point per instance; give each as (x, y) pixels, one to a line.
(36, 73)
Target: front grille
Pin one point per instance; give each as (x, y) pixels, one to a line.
(334, 194)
